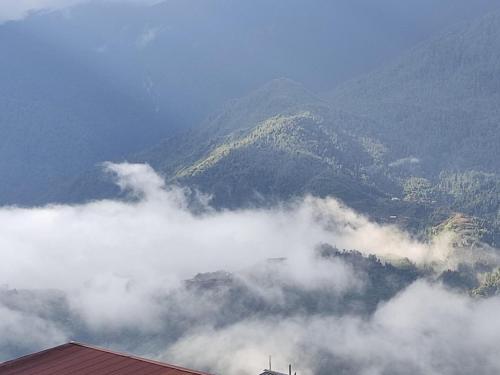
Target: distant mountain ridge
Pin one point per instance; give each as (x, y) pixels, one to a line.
(439, 102)
(103, 80)
(407, 144)
(263, 151)
(410, 131)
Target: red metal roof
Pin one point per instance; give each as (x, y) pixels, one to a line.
(79, 359)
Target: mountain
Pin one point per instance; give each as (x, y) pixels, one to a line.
(438, 103)
(191, 56)
(400, 145)
(59, 116)
(436, 111)
(280, 142)
(103, 80)
(423, 131)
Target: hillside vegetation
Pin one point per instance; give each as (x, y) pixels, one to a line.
(413, 144)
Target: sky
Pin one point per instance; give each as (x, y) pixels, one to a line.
(18, 9)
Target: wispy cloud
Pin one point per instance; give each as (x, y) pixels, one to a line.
(148, 36)
(18, 9)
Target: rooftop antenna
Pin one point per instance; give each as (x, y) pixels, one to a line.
(270, 363)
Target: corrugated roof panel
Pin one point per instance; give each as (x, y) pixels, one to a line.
(71, 362)
(38, 360)
(80, 359)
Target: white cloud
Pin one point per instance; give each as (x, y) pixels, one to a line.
(148, 36)
(111, 255)
(119, 264)
(157, 236)
(426, 330)
(18, 9)
(22, 329)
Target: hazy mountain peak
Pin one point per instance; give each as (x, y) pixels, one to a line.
(280, 96)
(283, 86)
(465, 57)
(464, 52)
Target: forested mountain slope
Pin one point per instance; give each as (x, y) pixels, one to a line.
(439, 103)
(277, 143)
(59, 117)
(413, 144)
(103, 80)
(436, 111)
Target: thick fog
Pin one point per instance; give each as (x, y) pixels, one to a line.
(112, 273)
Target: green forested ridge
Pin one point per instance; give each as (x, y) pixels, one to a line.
(436, 111)
(413, 144)
(281, 150)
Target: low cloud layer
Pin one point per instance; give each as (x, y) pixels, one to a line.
(157, 238)
(112, 273)
(424, 330)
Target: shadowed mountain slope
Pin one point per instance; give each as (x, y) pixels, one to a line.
(59, 117)
(439, 102)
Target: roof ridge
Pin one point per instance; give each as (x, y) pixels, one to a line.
(162, 364)
(76, 343)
